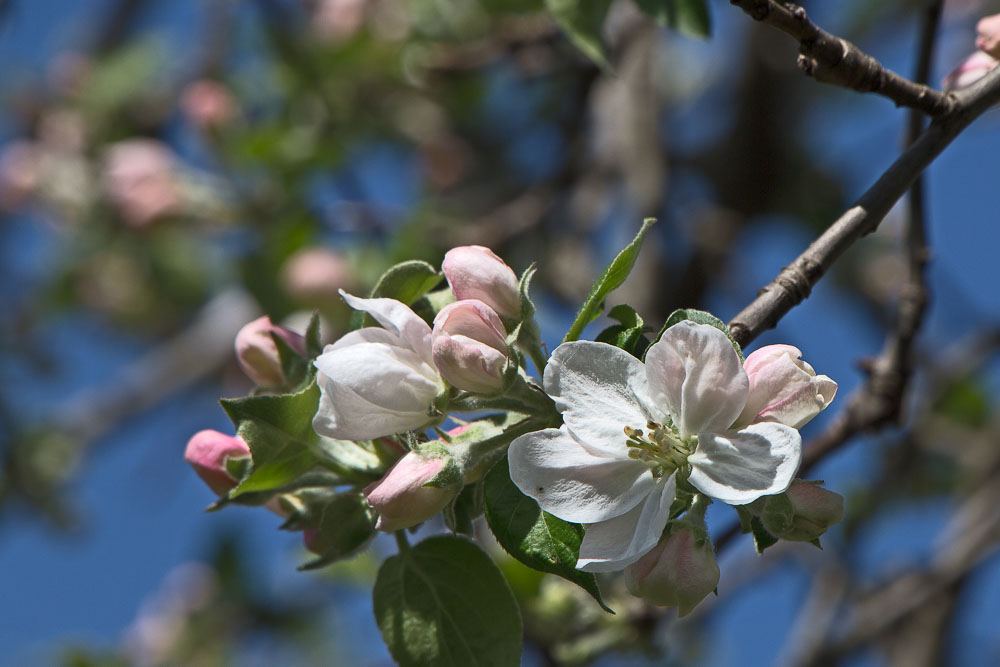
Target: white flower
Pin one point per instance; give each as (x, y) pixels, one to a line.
(377, 381)
(631, 429)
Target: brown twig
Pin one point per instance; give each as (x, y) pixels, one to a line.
(831, 59)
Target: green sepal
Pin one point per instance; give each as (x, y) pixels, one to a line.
(629, 334)
(699, 317)
(583, 22)
(444, 603)
(610, 279)
(816, 544)
(406, 282)
(526, 336)
(535, 538)
(464, 509)
(690, 17)
(294, 366)
(344, 523)
(746, 516)
(762, 539)
(314, 344)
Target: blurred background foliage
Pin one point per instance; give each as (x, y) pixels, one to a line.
(170, 170)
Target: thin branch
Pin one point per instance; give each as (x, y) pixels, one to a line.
(796, 280)
(831, 59)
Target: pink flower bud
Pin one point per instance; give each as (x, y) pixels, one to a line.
(469, 346)
(258, 354)
(678, 572)
(207, 452)
(475, 272)
(813, 510)
(973, 68)
(783, 388)
(139, 179)
(20, 169)
(208, 103)
(315, 276)
(400, 497)
(988, 35)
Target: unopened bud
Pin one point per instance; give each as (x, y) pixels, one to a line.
(402, 498)
(207, 452)
(208, 104)
(315, 276)
(139, 179)
(475, 272)
(679, 572)
(469, 346)
(972, 69)
(803, 512)
(258, 353)
(988, 35)
(783, 388)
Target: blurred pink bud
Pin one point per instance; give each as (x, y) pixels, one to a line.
(973, 68)
(814, 509)
(207, 103)
(783, 388)
(315, 276)
(207, 452)
(338, 20)
(475, 272)
(469, 346)
(988, 35)
(678, 572)
(63, 129)
(20, 165)
(258, 353)
(139, 179)
(400, 497)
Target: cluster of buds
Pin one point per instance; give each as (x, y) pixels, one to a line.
(982, 61)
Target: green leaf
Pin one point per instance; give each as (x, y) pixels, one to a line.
(690, 17)
(314, 346)
(406, 282)
(583, 21)
(533, 537)
(762, 539)
(343, 522)
(444, 603)
(611, 278)
(278, 430)
(699, 317)
(629, 335)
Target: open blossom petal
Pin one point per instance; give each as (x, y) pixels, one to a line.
(738, 467)
(696, 375)
(572, 483)
(617, 543)
(599, 389)
(396, 317)
(344, 414)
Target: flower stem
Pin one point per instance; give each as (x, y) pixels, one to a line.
(402, 542)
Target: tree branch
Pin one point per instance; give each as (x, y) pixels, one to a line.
(831, 59)
(794, 283)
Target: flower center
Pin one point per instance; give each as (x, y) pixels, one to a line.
(660, 447)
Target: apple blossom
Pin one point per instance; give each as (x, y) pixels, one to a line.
(475, 272)
(632, 430)
(140, 181)
(208, 103)
(316, 275)
(988, 35)
(403, 498)
(207, 451)
(803, 512)
(680, 571)
(378, 381)
(783, 388)
(469, 346)
(257, 351)
(972, 69)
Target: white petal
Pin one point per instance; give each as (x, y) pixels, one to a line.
(572, 483)
(798, 408)
(393, 378)
(617, 543)
(345, 415)
(396, 317)
(738, 467)
(695, 374)
(599, 389)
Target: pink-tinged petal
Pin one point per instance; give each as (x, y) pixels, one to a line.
(469, 346)
(475, 272)
(696, 376)
(599, 389)
(783, 388)
(397, 318)
(614, 544)
(798, 408)
(573, 484)
(738, 467)
(344, 414)
(207, 451)
(390, 377)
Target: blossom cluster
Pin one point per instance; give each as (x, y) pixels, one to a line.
(632, 447)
